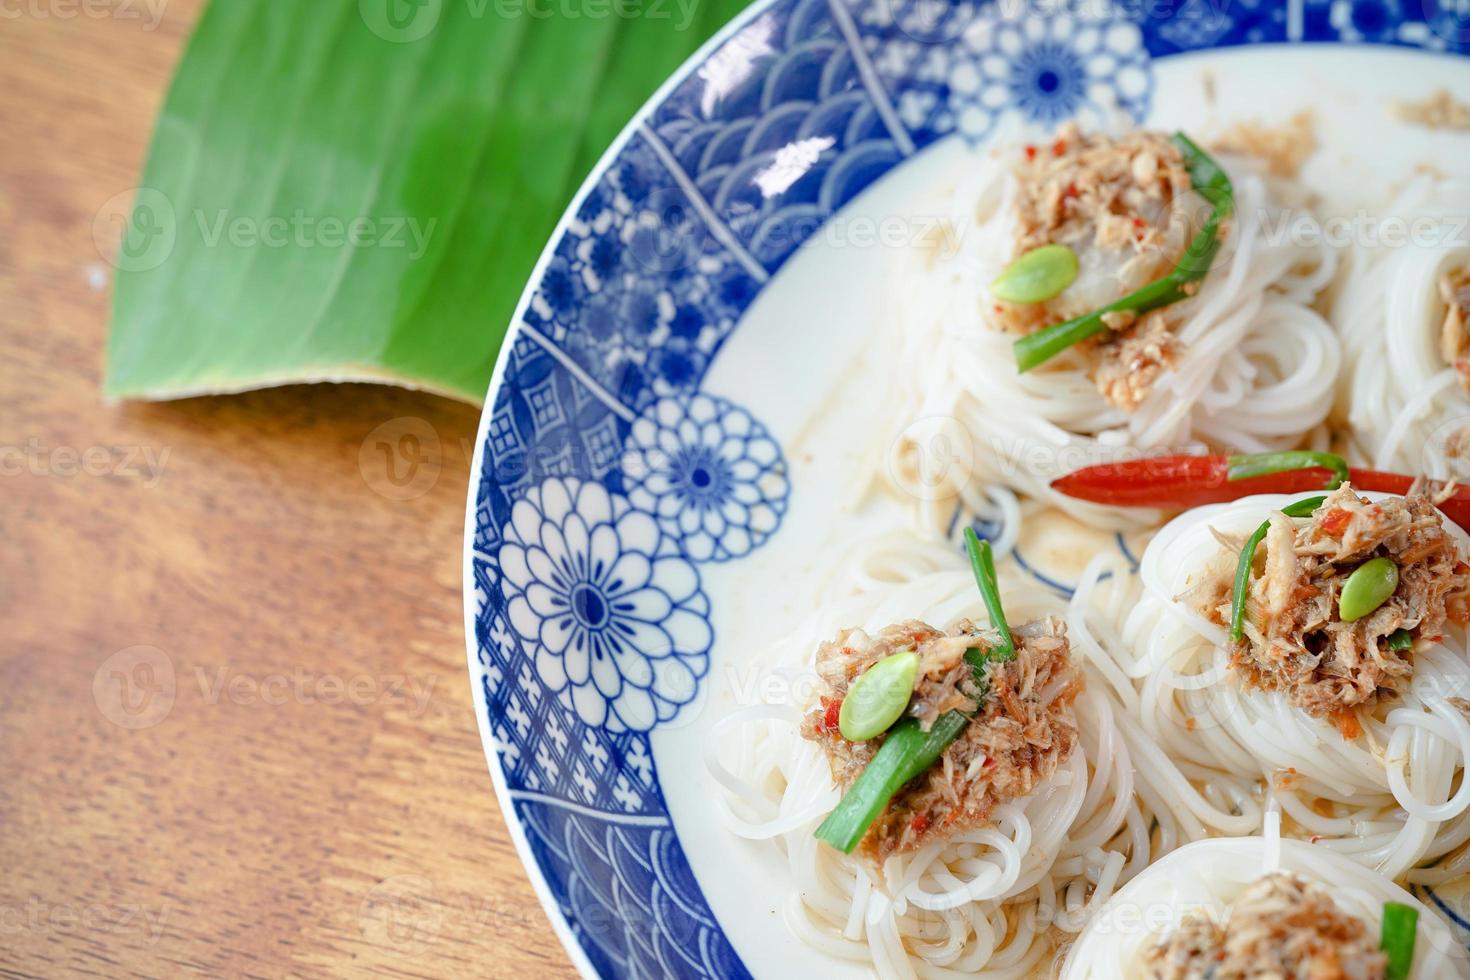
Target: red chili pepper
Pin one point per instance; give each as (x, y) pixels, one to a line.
(1336, 520)
(1030, 152)
(829, 717)
(920, 823)
(1058, 148)
(1182, 482)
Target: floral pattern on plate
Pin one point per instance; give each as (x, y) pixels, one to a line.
(709, 472)
(618, 624)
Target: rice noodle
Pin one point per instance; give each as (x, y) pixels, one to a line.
(1384, 799)
(1399, 396)
(991, 902)
(1205, 877)
(1257, 371)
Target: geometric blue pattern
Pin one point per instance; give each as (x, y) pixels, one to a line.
(765, 135)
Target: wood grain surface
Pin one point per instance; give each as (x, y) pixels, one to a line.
(235, 722)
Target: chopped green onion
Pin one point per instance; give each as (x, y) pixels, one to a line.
(1036, 276)
(905, 753)
(1261, 464)
(1400, 640)
(1299, 508)
(1206, 176)
(908, 750)
(982, 563)
(877, 698)
(1400, 930)
(1367, 588)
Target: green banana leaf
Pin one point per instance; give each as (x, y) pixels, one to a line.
(358, 189)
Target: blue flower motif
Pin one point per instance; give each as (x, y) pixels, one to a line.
(1048, 81)
(687, 322)
(560, 286)
(1049, 67)
(606, 257)
(1196, 24)
(613, 616)
(640, 309)
(1062, 60)
(709, 472)
(1366, 20)
(676, 365)
(599, 317)
(736, 290)
(665, 236)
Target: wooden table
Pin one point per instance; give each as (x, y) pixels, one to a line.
(235, 723)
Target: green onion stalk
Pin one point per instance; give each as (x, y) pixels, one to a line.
(1264, 464)
(908, 750)
(1400, 930)
(1299, 508)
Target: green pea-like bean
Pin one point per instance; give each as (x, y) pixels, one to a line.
(1036, 276)
(1367, 588)
(877, 699)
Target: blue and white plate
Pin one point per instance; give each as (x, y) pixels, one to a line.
(668, 435)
